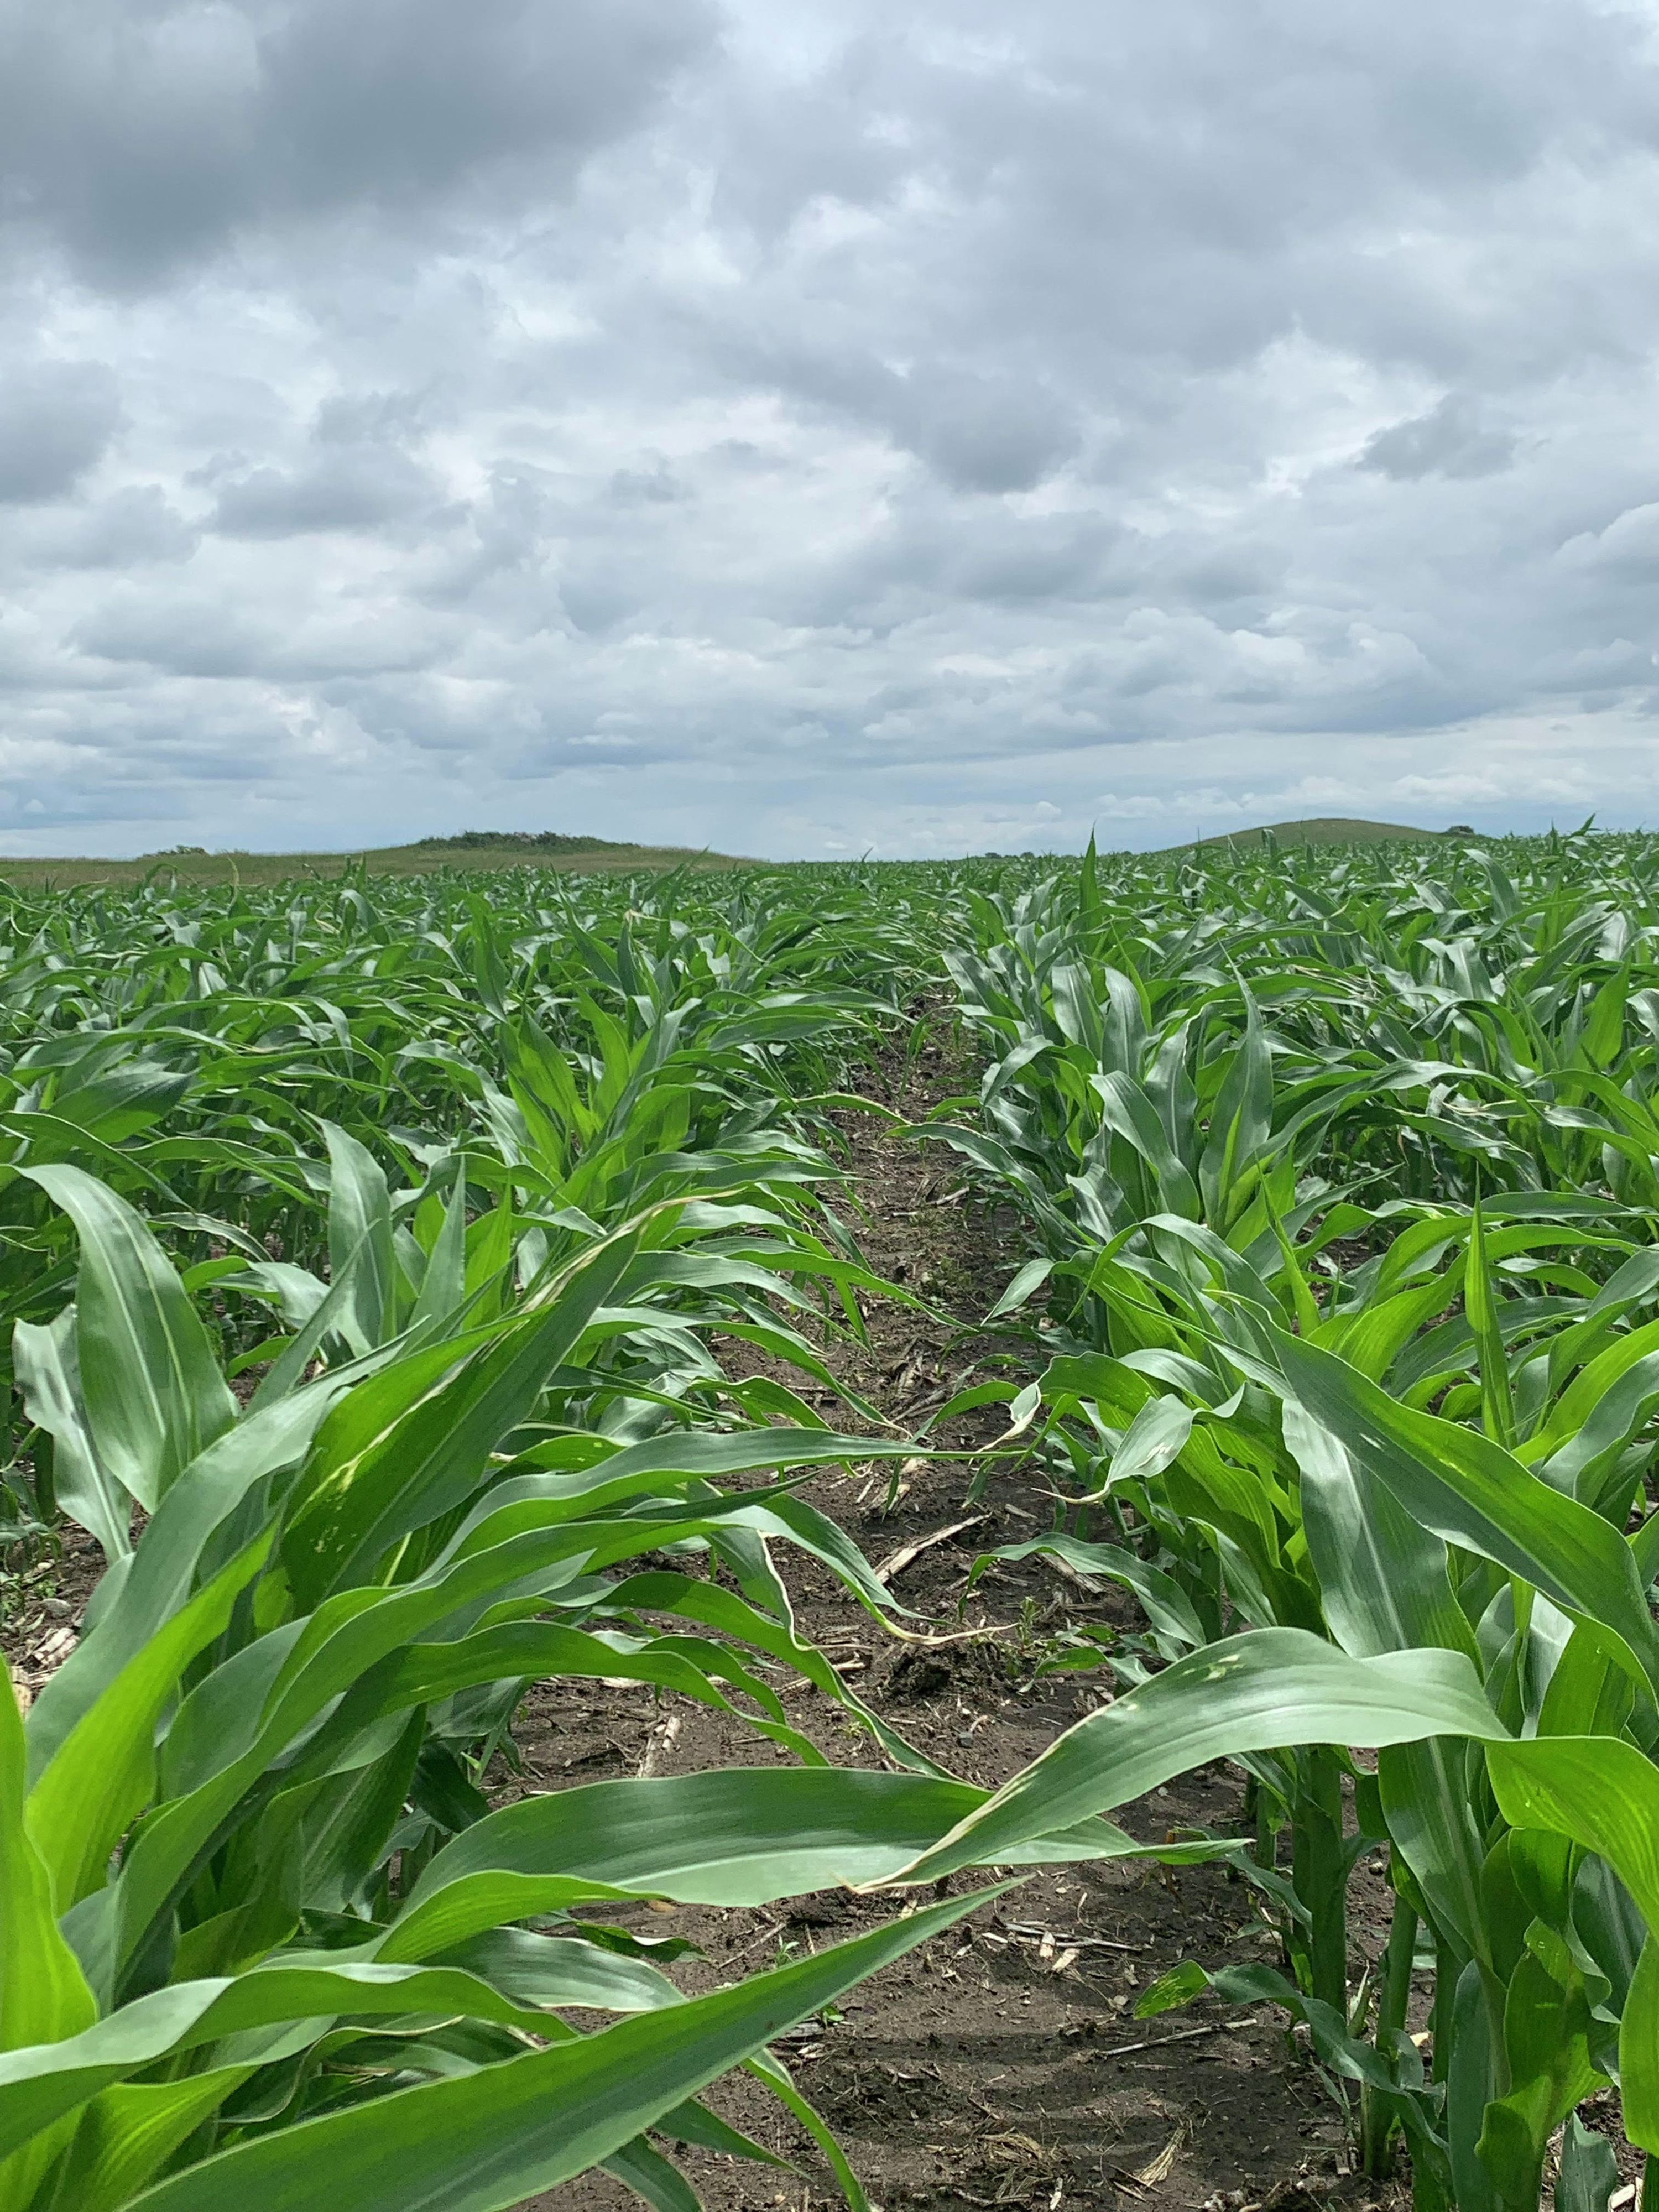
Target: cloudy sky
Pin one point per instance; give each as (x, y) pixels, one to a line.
(803, 426)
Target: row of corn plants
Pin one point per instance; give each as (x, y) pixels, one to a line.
(468, 1199)
(1341, 1183)
(224, 1061)
(456, 1190)
(379, 1419)
(263, 1934)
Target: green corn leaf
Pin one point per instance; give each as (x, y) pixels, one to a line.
(1240, 1123)
(102, 1773)
(43, 1993)
(434, 1457)
(1547, 2043)
(1088, 889)
(43, 2082)
(1126, 1108)
(1590, 2169)
(140, 1598)
(360, 1235)
(652, 2179)
(1246, 1693)
(1384, 1579)
(1470, 1491)
(1481, 1302)
(1154, 1439)
(128, 2132)
(332, 1314)
(1026, 1283)
(1308, 1318)
(48, 1375)
(742, 1837)
(1604, 1794)
(443, 1283)
(483, 2143)
(154, 1394)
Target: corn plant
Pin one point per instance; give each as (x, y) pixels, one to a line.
(270, 1729)
(1437, 1447)
(1339, 1176)
(264, 1930)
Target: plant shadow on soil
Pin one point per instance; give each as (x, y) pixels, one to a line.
(992, 2067)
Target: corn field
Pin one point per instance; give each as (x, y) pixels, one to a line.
(373, 1256)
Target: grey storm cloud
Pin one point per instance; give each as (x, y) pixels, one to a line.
(353, 489)
(133, 527)
(1449, 441)
(142, 134)
(804, 430)
(56, 419)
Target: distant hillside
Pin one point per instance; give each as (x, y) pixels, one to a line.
(1322, 829)
(521, 840)
(470, 848)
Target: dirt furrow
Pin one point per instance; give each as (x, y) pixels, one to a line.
(1002, 2064)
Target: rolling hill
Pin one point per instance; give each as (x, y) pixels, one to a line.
(193, 864)
(1322, 829)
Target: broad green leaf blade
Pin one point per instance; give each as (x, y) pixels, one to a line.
(1385, 1586)
(49, 1377)
(1480, 1304)
(1590, 2169)
(1546, 2045)
(747, 1837)
(1255, 1693)
(1025, 1285)
(360, 1235)
(443, 1284)
(484, 2142)
(1384, 1579)
(130, 2129)
(42, 2082)
(435, 1457)
(159, 1579)
(154, 1394)
(43, 1993)
(1604, 1794)
(1472, 1492)
(101, 1776)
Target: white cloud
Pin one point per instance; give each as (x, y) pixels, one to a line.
(799, 430)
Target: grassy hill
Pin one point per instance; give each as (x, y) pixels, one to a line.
(472, 849)
(1322, 829)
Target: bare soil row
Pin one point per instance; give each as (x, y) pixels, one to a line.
(1002, 2065)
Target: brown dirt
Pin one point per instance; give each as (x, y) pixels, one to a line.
(988, 2068)
(43, 1595)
